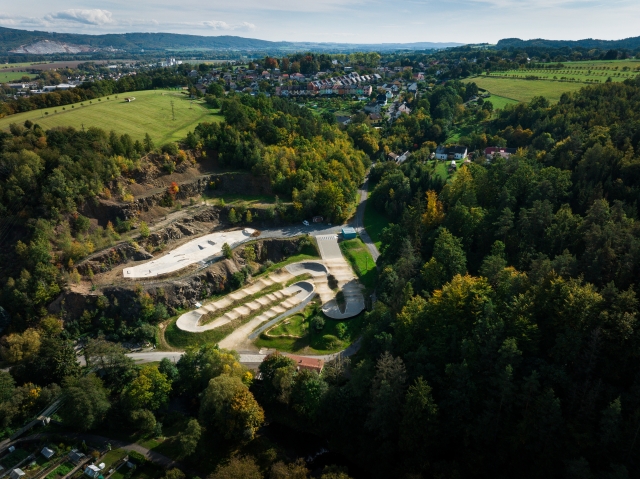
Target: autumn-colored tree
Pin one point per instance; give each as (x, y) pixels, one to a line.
(19, 347)
(173, 188)
(228, 405)
(434, 212)
(233, 216)
(149, 390)
(144, 230)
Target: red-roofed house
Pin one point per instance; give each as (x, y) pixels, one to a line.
(312, 364)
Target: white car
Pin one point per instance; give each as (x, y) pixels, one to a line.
(305, 222)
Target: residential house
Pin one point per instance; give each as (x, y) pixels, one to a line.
(402, 158)
(374, 108)
(311, 364)
(492, 151)
(451, 152)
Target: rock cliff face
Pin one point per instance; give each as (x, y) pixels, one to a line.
(202, 222)
(124, 301)
(222, 183)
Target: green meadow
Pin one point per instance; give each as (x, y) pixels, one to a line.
(150, 112)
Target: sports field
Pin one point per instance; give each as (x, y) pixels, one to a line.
(525, 90)
(149, 113)
(6, 77)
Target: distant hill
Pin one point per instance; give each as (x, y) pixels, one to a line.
(36, 42)
(628, 43)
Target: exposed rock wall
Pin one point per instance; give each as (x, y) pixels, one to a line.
(181, 293)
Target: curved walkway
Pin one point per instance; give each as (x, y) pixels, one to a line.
(347, 282)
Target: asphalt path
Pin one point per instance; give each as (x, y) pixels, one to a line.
(358, 220)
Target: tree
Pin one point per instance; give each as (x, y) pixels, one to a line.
(144, 230)
(169, 369)
(226, 251)
(229, 407)
(233, 216)
(274, 369)
(7, 386)
(198, 366)
(174, 473)
(148, 143)
(144, 420)
(250, 253)
(111, 361)
(55, 361)
(85, 402)
(433, 214)
(249, 217)
(294, 470)
(419, 423)
(19, 347)
(188, 439)
(238, 468)
(150, 390)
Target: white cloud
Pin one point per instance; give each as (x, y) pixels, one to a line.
(219, 25)
(88, 17)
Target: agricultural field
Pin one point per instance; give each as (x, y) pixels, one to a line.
(149, 113)
(576, 72)
(525, 90)
(7, 77)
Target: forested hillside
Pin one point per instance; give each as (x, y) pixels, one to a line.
(505, 339)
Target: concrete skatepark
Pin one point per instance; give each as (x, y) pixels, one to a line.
(275, 306)
(199, 250)
(285, 302)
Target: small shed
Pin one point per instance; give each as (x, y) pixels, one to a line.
(75, 456)
(348, 232)
(46, 452)
(16, 473)
(92, 471)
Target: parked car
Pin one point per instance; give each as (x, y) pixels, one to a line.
(305, 222)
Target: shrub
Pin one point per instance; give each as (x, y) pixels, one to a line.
(317, 323)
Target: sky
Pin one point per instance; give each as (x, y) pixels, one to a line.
(344, 21)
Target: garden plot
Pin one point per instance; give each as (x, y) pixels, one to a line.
(197, 251)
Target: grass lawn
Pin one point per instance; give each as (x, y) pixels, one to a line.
(326, 341)
(499, 102)
(113, 457)
(6, 77)
(149, 113)
(525, 90)
(361, 261)
(374, 223)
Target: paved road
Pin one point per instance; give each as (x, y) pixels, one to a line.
(358, 220)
